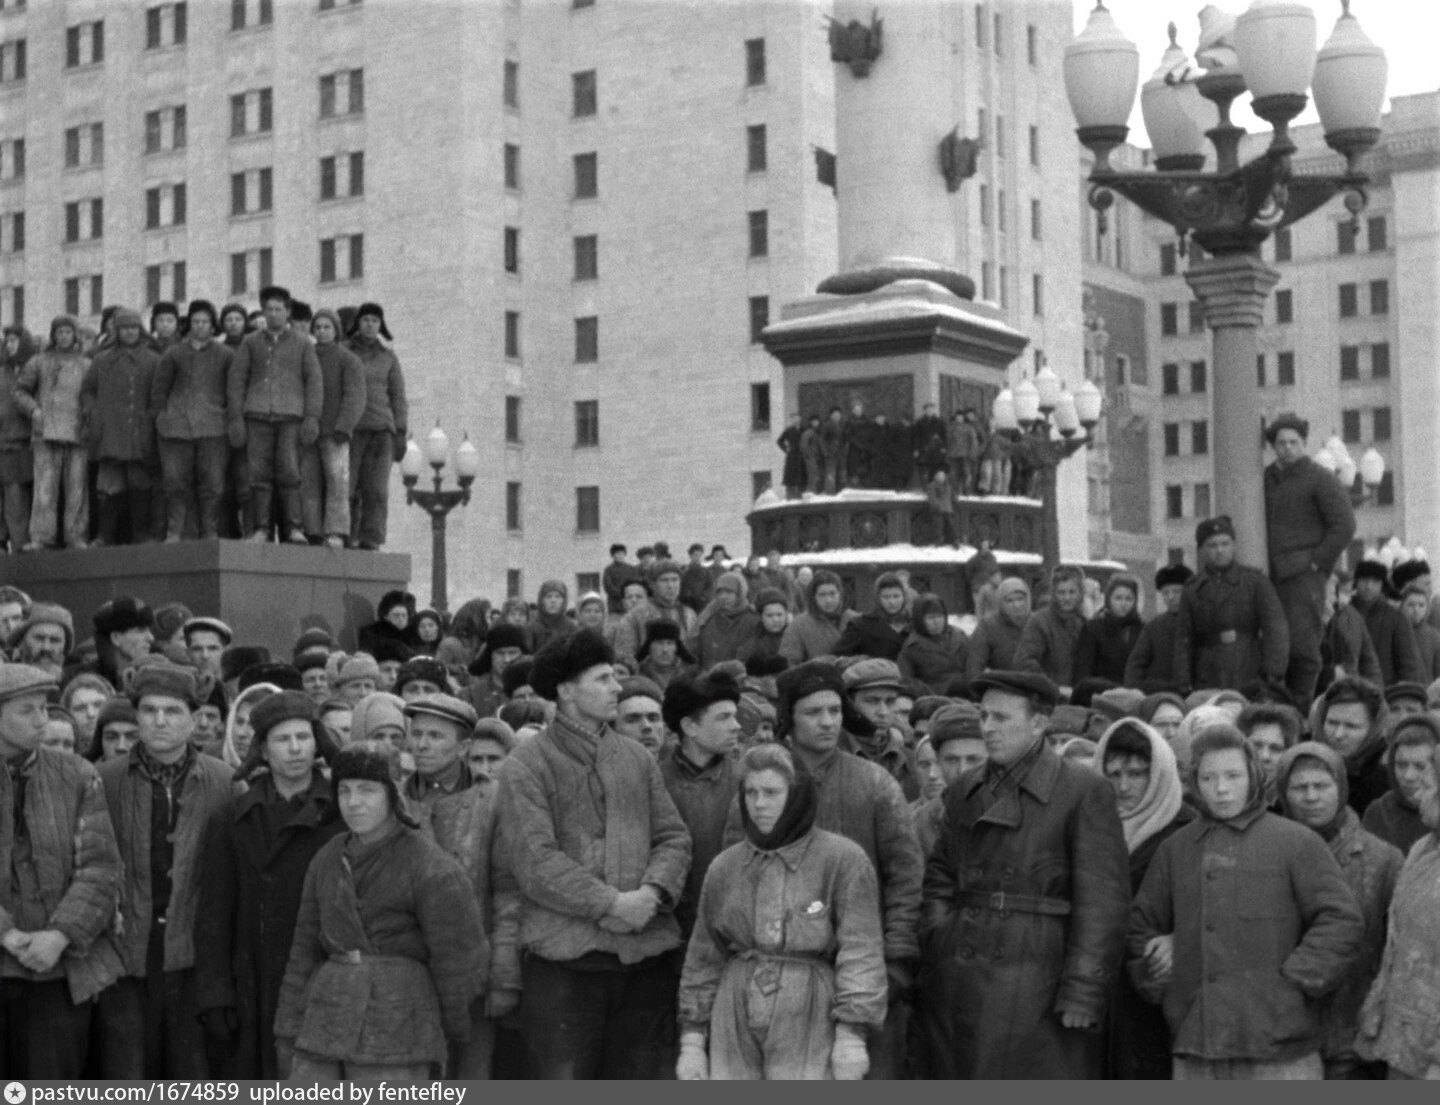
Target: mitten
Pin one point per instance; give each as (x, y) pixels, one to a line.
(849, 1057)
(694, 1064)
(309, 431)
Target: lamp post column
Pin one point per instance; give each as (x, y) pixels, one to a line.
(439, 584)
(1233, 290)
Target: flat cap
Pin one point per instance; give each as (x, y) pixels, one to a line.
(210, 625)
(871, 673)
(1023, 683)
(446, 707)
(18, 679)
(955, 721)
(1396, 691)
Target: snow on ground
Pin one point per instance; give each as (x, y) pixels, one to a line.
(769, 500)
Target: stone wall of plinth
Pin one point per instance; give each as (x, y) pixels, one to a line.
(267, 593)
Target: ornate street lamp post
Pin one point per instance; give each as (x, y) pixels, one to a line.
(1335, 458)
(1033, 409)
(1231, 209)
(439, 502)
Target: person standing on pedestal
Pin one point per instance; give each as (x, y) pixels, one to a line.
(325, 466)
(793, 476)
(813, 454)
(16, 454)
(274, 409)
(379, 439)
(116, 412)
(48, 390)
(1309, 523)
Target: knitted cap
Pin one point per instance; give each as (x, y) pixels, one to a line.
(375, 712)
(360, 666)
(376, 762)
(46, 613)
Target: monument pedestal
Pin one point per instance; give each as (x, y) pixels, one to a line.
(267, 593)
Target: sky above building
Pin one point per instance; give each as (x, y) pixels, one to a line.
(1406, 29)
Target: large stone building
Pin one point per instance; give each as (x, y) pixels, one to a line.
(577, 216)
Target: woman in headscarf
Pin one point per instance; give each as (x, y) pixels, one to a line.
(1163, 711)
(1150, 800)
(1198, 719)
(550, 622)
(378, 977)
(1398, 1020)
(785, 973)
(238, 731)
(935, 651)
(1312, 788)
(1108, 638)
(1242, 924)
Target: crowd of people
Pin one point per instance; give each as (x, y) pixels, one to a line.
(235, 423)
(710, 822)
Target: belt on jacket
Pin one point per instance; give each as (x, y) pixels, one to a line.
(1001, 902)
(1224, 637)
(809, 959)
(354, 957)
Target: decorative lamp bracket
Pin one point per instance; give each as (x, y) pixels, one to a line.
(855, 44)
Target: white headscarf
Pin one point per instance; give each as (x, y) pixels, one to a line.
(1163, 793)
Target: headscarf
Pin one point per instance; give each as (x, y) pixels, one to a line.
(1217, 737)
(1331, 761)
(797, 819)
(228, 752)
(1151, 703)
(1197, 720)
(1164, 794)
(1010, 586)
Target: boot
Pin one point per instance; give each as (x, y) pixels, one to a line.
(107, 520)
(141, 517)
(291, 515)
(174, 519)
(260, 498)
(209, 518)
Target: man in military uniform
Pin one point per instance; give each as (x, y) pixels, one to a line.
(1232, 630)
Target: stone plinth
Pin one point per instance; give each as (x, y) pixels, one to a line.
(267, 593)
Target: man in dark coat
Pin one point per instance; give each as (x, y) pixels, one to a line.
(697, 585)
(1309, 523)
(832, 450)
(1346, 648)
(256, 852)
(1052, 636)
(379, 438)
(1232, 629)
(793, 476)
(616, 574)
(929, 429)
(1391, 634)
(1151, 666)
(993, 645)
(861, 450)
(882, 632)
(115, 409)
(1025, 903)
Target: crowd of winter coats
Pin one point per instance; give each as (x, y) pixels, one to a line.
(718, 828)
(232, 423)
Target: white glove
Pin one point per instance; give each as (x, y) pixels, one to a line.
(849, 1058)
(694, 1064)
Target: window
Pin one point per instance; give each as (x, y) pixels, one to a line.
(1197, 377)
(336, 5)
(1197, 316)
(165, 129)
(85, 145)
(1284, 306)
(84, 295)
(1004, 288)
(342, 93)
(1169, 379)
(165, 26)
(165, 281)
(1036, 227)
(587, 340)
(1037, 293)
(984, 205)
(512, 506)
(251, 191)
(84, 220)
(587, 257)
(251, 270)
(1380, 361)
(514, 580)
(1282, 244)
(342, 258)
(759, 317)
(251, 112)
(1381, 424)
(342, 175)
(979, 26)
(85, 44)
(512, 420)
(587, 176)
(587, 509)
(755, 148)
(510, 84)
(164, 206)
(12, 61)
(1385, 493)
(824, 168)
(512, 334)
(1032, 44)
(1202, 500)
(759, 408)
(1285, 368)
(759, 233)
(1344, 237)
(1260, 370)
(583, 95)
(1376, 234)
(754, 61)
(1000, 211)
(1379, 297)
(1169, 319)
(512, 165)
(12, 232)
(12, 158)
(1172, 439)
(1349, 362)
(12, 305)
(512, 249)
(1350, 426)
(999, 135)
(1349, 301)
(1174, 501)
(250, 13)
(1035, 146)
(587, 423)
(999, 37)
(1200, 438)
(987, 281)
(1167, 259)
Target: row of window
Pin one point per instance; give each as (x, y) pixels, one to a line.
(1349, 306)
(1350, 424)
(1000, 143)
(587, 329)
(587, 510)
(1347, 235)
(1170, 378)
(1000, 218)
(1199, 438)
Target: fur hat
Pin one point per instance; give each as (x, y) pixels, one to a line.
(422, 669)
(170, 619)
(770, 596)
(665, 567)
(237, 658)
(1173, 575)
(1402, 575)
(516, 675)
(391, 599)
(389, 650)
(200, 307)
(376, 762)
(122, 614)
(271, 711)
(274, 291)
(689, 694)
(315, 637)
(956, 721)
(812, 677)
(567, 659)
(46, 613)
(164, 307)
(662, 630)
(1287, 421)
(370, 309)
(637, 686)
(285, 676)
(1211, 527)
(503, 635)
(311, 659)
(168, 680)
(1371, 569)
(233, 308)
